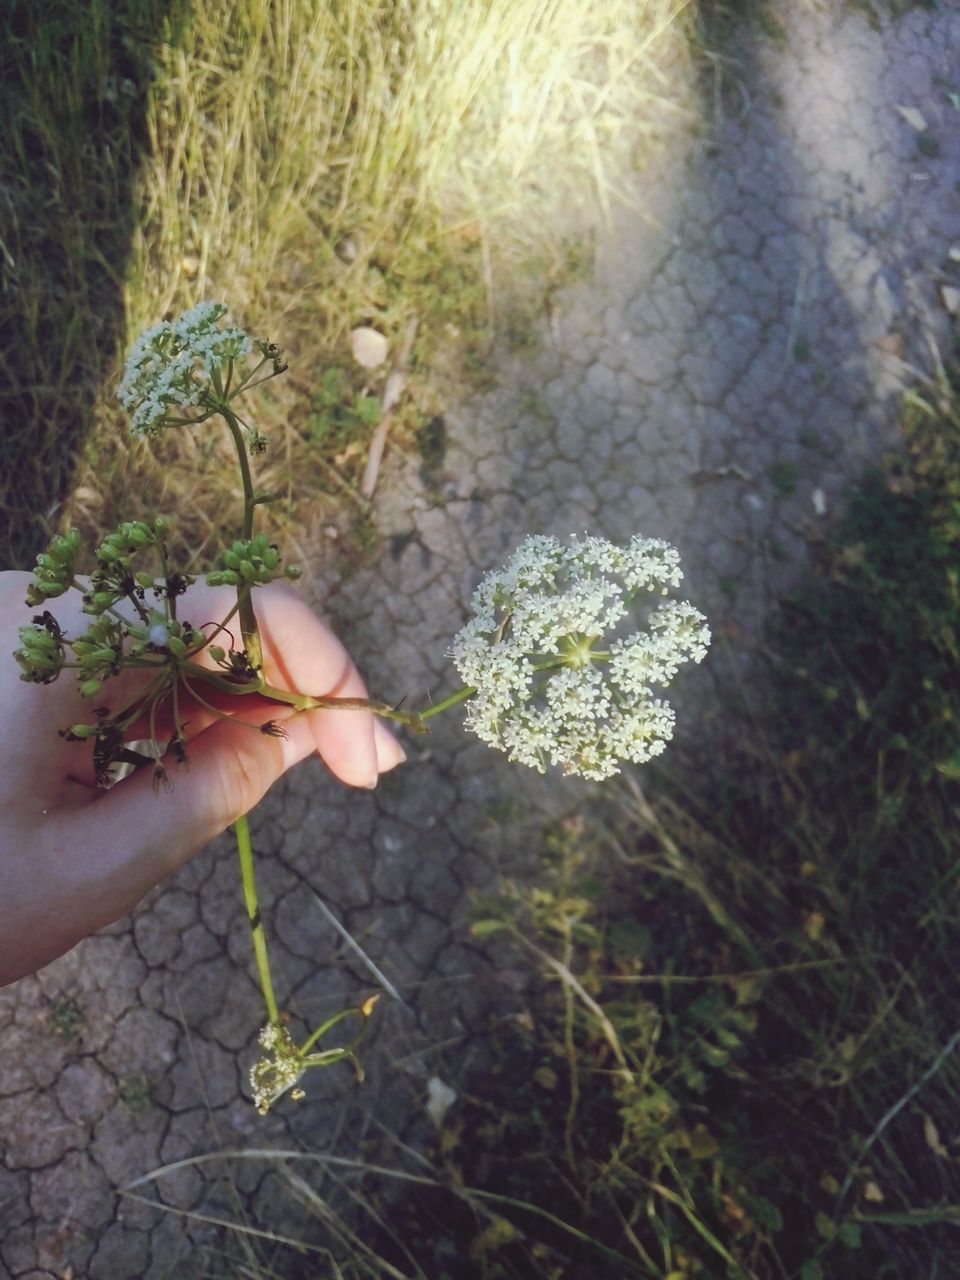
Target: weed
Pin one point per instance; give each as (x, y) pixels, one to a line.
(135, 1092)
(66, 1015)
(338, 418)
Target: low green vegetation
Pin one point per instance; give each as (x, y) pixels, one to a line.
(65, 1015)
(135, 1092)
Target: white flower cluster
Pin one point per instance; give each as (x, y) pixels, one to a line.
(278, 1070)
(172, 364)
(556, 679)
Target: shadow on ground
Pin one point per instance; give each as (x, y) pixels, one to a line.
(73, 84)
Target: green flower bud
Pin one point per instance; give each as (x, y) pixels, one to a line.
(247, 571)
(145, 580)
(139, 535)
(176, 646)
(65, 546)
(37, 639)
(81, 731)
(90, 688)
(216, 653)
(292, 571)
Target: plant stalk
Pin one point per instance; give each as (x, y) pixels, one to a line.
(248, 620)
(241, 830)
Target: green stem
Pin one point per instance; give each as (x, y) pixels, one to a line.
(248, 620)
(305, 702)
(322, 1030)
(453, 700)
(241, 830)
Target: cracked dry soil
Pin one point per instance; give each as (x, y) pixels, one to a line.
(736, 360)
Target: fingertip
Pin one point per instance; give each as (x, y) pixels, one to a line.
(390, 753)
(346, 744)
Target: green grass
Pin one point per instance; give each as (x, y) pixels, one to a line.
(318, 165)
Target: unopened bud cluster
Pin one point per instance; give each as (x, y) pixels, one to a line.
(115, 579)
(250, 562)
(54, 569)
(99, 651)
(40, 655)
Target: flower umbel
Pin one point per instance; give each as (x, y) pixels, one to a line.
(559, 676)
(278, 1070)
(178, 364)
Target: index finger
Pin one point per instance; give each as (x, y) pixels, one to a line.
(303, 655)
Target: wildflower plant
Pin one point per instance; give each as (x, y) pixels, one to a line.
(563, 658)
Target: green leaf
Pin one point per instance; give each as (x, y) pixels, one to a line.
(825, 1226)
(330, 391)
(367, 409)
(811, 1270)
(849, 1233)
(728, 1039)
(317, 427)
(950, 768)
(766, 1213)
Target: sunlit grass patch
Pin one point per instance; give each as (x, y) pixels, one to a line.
(316, 165)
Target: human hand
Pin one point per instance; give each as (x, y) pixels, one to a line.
(75, 857)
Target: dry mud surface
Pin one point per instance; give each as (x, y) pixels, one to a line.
(736, 360)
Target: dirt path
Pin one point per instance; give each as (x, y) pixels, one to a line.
(737, 358)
